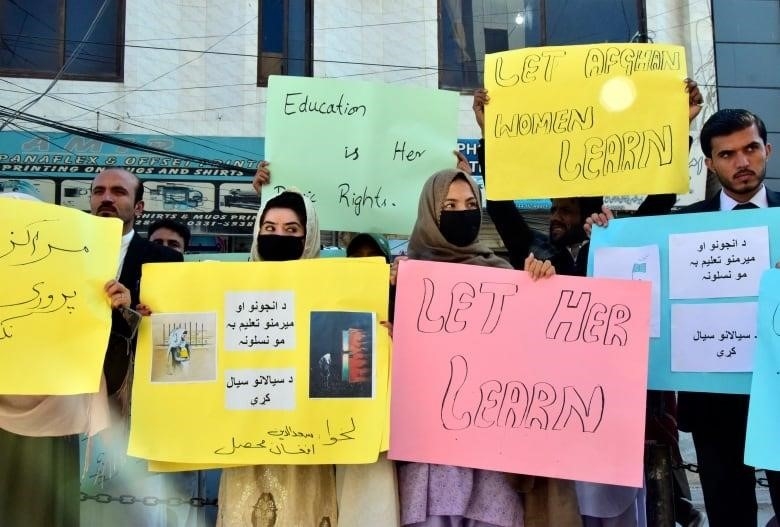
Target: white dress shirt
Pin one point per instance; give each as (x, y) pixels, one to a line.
(759, 200)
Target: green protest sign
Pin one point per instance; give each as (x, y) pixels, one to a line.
(361, 151)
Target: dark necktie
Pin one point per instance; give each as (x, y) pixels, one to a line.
(748, 205)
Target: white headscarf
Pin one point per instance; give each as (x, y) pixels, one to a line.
(311, 245)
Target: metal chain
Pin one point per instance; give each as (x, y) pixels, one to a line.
(149, 501)
(198, 502)
(693, 467)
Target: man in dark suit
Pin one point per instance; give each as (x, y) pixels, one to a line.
(117, 193)
(735, 147)
(735, 150)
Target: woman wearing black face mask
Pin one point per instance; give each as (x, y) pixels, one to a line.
(448, 222)
(447, 230)
(286, 229)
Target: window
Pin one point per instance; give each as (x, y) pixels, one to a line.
(38, 38)
(285, 37)
(470, 28)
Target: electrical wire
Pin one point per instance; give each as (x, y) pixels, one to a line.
(66, 65)
(178, 67)
(130, 122)
(178, 136)
(125, 143)
(41, 137)
(209, 51)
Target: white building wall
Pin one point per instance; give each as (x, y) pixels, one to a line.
(168, 88)
(352, 37)
(165, 84)
(689, 23)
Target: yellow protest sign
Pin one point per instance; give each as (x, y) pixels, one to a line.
(262, 363)
(54, 315)
(164, 466)
(592, 120)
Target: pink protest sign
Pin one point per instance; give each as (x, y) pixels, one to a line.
(491, 370)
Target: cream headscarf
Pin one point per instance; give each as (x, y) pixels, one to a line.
(297, 494)
(53, 415)
(427, 241)
(311, 245)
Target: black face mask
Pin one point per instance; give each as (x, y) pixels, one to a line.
(277, 248)
(460, 227)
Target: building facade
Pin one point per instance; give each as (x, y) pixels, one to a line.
(190, 76)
